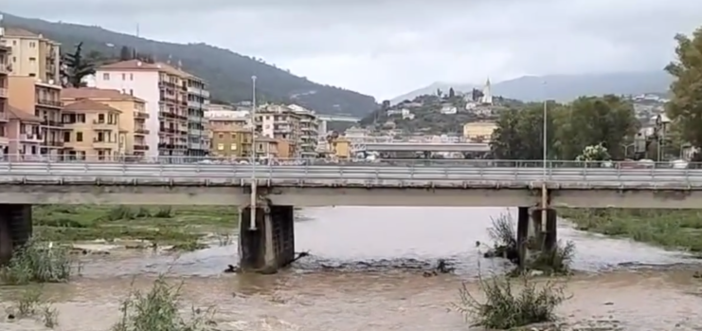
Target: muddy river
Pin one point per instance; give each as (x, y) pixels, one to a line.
(365, 273)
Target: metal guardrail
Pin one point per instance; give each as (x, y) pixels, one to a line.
(66, 172)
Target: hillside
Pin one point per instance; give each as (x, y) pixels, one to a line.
(228, 73)
(562, 88)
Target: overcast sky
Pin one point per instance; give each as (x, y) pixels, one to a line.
(389, 47)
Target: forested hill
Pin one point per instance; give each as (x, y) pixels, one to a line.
(228, 73)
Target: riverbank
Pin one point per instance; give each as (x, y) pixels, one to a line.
(181, 226)
(667, 228)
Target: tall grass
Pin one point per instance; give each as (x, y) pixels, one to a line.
(38, 262)
(29, 304)
(510, 303)
(159, 310)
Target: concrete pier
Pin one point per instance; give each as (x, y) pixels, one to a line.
(547, 234)
(532, 235)
(272, 245)
(15, 228)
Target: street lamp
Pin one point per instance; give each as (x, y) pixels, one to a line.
(252, 224)
(626, 149)
(544, 194)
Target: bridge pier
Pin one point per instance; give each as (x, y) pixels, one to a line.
(272, 245)
(15, 228)
(532, 235)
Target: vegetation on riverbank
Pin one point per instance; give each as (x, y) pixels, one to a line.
(181, 226)
(39, 262)
(669, 228)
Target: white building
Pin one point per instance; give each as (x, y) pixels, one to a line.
(174, 123)
(487, 94)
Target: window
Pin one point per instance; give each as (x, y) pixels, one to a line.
(67, 137)
(221, 136)
(131, 76)
(32, 44)
(79, 136)
(32, 75)
(131, 92)
(101, 118)
(124, 76)
(106, 76)
(232, 147)
(220, 147)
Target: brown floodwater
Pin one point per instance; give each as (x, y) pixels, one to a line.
(365, 272)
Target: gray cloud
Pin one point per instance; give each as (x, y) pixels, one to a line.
(386, 47)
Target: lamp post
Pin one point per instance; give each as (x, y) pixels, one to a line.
(544, 193)
(626, 149)
(252, 224)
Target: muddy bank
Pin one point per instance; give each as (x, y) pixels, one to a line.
(351, 302)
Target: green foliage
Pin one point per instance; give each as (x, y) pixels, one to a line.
(77, 67)
(159, 310)
(587, 121)
(507, 306)
(228, 73)
(37, 262)
(685, 106)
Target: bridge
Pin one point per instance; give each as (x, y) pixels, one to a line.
(425, 147)
(267, 235)
(338, 118)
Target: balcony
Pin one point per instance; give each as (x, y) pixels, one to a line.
(3, 92)
(3, 115)
(49, 103)
(141, 115)
(31, 138)
(141, 131)
(140, 147)
(102, 144)
(54, 143)
(52, 123)
(102, 125)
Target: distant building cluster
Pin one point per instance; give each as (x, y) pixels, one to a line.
(135, 110)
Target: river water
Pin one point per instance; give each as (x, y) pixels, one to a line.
(366, 272)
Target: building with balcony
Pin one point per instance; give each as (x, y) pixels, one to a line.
(198, 103)
(4, 104)
(164, 90)
(33, 55)
(30, 95)
(94, 131)
(24, 132)
(132, 119)
(293, 123)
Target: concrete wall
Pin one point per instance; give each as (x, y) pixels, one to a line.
(316, 197)
(15, 228)
(271, 245)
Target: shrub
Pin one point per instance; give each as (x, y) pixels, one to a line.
(159, 310)
(506, 306)
(38, 263)
(30, 304)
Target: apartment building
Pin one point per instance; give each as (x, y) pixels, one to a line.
(293, 123)
(33, 55)
(230, 141)
(24, 132)
(94, 131)
(4, 104)
(164, 89)
(479, 131)
(33, 83)
(132, 119)
(43, 100)
(198, 103)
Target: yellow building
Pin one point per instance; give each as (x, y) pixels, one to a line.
(44, 101)
(341, 147)
(132, 119)
(236, 143)
(479, 131)
(94, 131)
(32, 55)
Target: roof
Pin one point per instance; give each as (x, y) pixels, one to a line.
(16, 113)
(96, 93)
(85, 105)
(143, 66)
(17, 32)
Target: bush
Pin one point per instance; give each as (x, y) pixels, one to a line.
(159, 310)
(507, 306)
(38, 263)
(30, 304)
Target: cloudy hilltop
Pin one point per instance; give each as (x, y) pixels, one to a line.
(562, 87)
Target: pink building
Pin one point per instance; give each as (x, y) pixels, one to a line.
(23, 131)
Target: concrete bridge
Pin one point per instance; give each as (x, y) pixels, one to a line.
(268, 243)
(425, 147)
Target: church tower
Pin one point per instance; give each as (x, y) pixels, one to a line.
(487, 94)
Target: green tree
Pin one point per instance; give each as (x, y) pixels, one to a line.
(519, 134)
(685, 106)
(125, 53)
(452, 93)
(591, 121)
(76, 67)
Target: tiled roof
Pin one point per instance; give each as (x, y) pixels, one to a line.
(16, 113)
(17, 32)
(85, 105)
(96, 93)
(141, 65)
